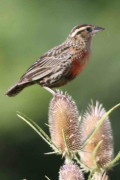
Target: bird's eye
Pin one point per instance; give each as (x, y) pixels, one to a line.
(89, 29)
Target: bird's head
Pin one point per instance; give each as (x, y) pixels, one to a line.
(84, 31)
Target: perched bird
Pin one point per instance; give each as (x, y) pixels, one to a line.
(60, 64)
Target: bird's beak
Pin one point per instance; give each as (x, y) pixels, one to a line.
(97, 29)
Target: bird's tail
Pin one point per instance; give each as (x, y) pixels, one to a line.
(15, 89)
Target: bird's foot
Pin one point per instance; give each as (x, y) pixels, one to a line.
(50, 90)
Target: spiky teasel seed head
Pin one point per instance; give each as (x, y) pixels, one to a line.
(70, 172)
(104, 153)
(64, 123)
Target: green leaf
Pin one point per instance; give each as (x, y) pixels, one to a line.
(113, 162)
(37, 129)
(47, 178)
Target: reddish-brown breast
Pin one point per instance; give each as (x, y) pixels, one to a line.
(78, 63)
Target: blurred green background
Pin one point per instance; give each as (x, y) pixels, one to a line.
(28, 28)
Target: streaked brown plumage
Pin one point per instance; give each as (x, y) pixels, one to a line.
(60, 64)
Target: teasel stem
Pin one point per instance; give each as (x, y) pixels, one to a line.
(100, 176)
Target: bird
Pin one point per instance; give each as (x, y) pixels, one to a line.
(60, 64)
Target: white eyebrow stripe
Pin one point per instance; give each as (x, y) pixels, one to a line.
(77, 30)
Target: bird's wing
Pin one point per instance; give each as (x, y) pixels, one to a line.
(45, 66)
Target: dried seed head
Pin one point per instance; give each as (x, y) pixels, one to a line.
(90, 120)
(64, 124)
(70, 172)
(100, 176)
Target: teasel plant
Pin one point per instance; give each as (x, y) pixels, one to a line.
(85, 142)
